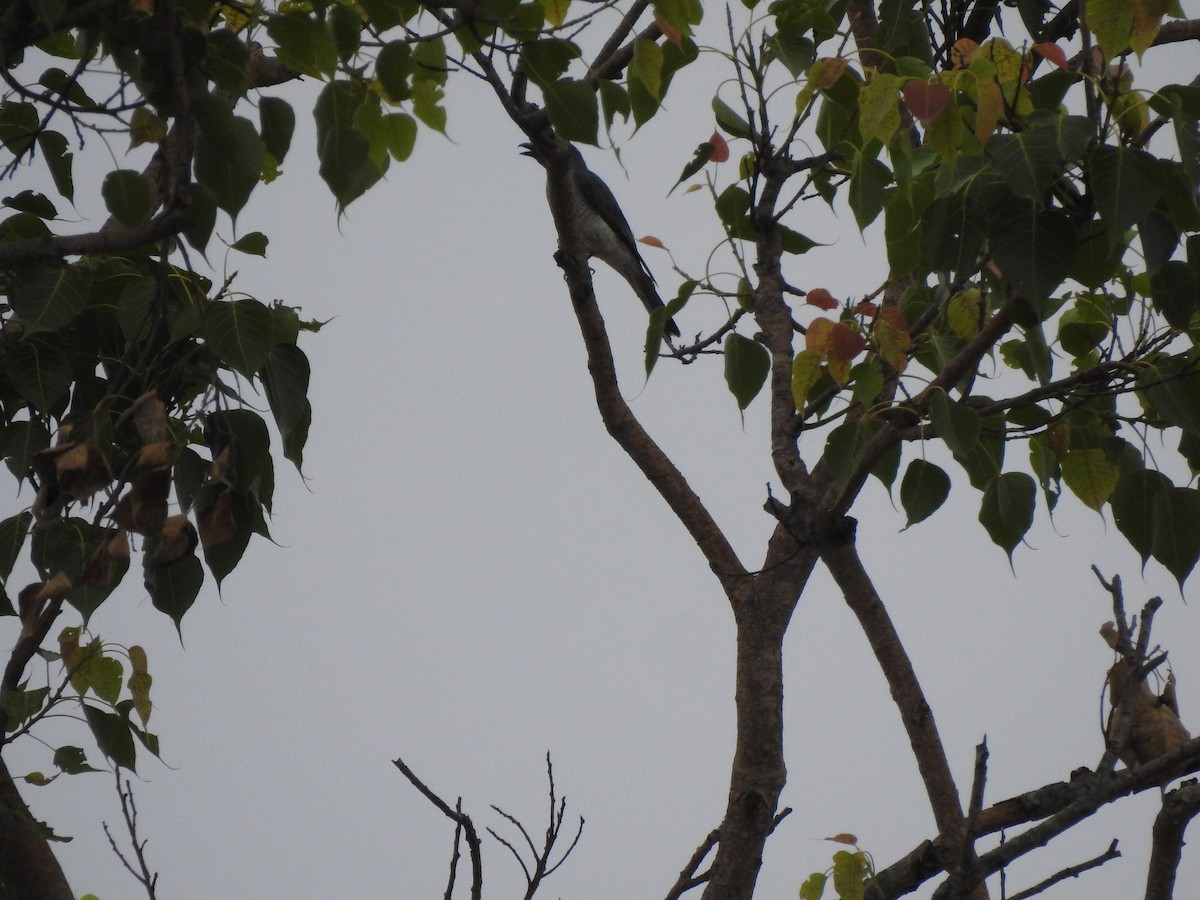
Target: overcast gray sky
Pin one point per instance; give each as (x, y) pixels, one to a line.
(471, 574)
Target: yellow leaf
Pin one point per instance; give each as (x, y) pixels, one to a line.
(879, 107)
(806, 371)
(964, 314)
(988, 110)
(555, 11)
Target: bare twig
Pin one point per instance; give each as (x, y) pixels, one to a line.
(1070, 872)
(540, 867)
(688, 878)
(462, 823)
(129, 812)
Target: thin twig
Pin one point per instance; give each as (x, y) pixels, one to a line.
(1070, 872)
(142, 873)
(460, 819)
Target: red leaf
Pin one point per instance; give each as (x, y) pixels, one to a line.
(821, 299)
(894, 317)
(720, 152)
(845, 343)
(926, 101)
(1052, 53)
(867, 308)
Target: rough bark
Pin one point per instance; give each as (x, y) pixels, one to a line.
(28, 869)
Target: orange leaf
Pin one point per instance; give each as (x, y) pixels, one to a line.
(867, 308)
(963, 52)
(670, 32)
(845, 343)
(844, 838)
(720, 152)
(821, 299)
(651, 241)
(926, 101)
(989, 110)
(829, 71)
(818, 336)
(1052, 53)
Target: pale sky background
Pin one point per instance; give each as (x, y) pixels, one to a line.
(471, 573)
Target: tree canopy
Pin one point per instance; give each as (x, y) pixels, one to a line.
(1031, 185)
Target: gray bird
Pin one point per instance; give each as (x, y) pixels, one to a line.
(606, 233)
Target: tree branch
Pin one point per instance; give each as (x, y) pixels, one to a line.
(461, 820)
(847, 570)
(1179, 807)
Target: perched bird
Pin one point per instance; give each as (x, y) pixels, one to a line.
(606, 233)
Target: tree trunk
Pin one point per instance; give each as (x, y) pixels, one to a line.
(28, 869)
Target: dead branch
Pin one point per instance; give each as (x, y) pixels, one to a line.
(129, 813)
(463, 825)
(1179, 807)
(1070, 872)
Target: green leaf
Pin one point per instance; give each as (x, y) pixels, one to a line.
(346, 165)
(1175, 291)
(240, 333)
(20, 705)
(1176, 517)
(1112, 23)
(13, 532)
(924, 489)
(304, 43)
(879, 107)
(72, 761)
(112, 735)
(40, 372)
(427, 105)
(1090, 476)
(49, 297)
(254, 243)
(1029, 160)
(20, 442)
(226, 524)
(345, 25)
(645, 81)
(868, 180)
(956, 424)
(225, 60)
(230, 167)
(201, 217)
(105, 675)
(245, 433)
(1125, 184)
(1172, 387)
(1133, 507)
(127, 196)
(573, 112)
(285, 379)
(32, 202)
(1097, 259)
(277, 120)
(1007, 509)
(1033, 248)
(813, 886)
(747, 364)
(400, 134)
(903, 210)
(728, 120)
(952, 232)
(173, 588)
(844, 448)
